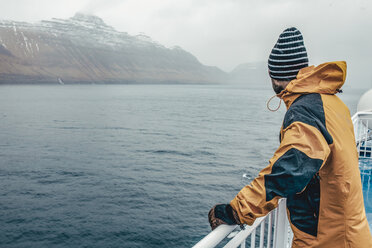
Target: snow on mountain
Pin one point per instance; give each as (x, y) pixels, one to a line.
(84, 49)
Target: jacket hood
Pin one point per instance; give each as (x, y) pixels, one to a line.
(326, 78)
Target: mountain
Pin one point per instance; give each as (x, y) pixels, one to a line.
(83, 49)
(253, 74)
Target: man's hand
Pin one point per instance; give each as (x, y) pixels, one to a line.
(222, 214)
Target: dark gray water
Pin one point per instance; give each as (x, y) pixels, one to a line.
(130, 165)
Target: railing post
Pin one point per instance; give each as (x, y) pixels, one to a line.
(262, 234)
(243, 244)
(281, 227)
(269, 229)
(253, 239)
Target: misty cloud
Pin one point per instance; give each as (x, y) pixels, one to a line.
(226, 33)
(95, 6)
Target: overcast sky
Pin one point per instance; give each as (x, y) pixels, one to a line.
(226, 33)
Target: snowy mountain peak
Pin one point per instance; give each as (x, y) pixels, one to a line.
(82, 17)
(83, 49)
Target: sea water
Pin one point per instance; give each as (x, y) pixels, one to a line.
(365, 166)
(128, 165)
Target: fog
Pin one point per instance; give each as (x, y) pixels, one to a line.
(226, 33)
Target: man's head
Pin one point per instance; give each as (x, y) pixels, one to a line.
(286, 58)
(278, 86)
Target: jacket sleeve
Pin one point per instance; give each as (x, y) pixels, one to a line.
(302, 152)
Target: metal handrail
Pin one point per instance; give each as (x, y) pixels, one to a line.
(279, 237)
(215, 237)
(242, 235)
(363, 135)
(357, 115)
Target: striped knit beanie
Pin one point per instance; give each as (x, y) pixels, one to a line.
(288, 55)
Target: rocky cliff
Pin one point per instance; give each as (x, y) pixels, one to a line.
(83, 49)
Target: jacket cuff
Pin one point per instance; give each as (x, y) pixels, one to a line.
(242, 219)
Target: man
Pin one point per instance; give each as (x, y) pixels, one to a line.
(316, 164)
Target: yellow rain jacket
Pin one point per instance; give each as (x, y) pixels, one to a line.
(315, 167)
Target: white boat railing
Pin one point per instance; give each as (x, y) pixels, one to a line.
(362, 122)
(271, 230)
